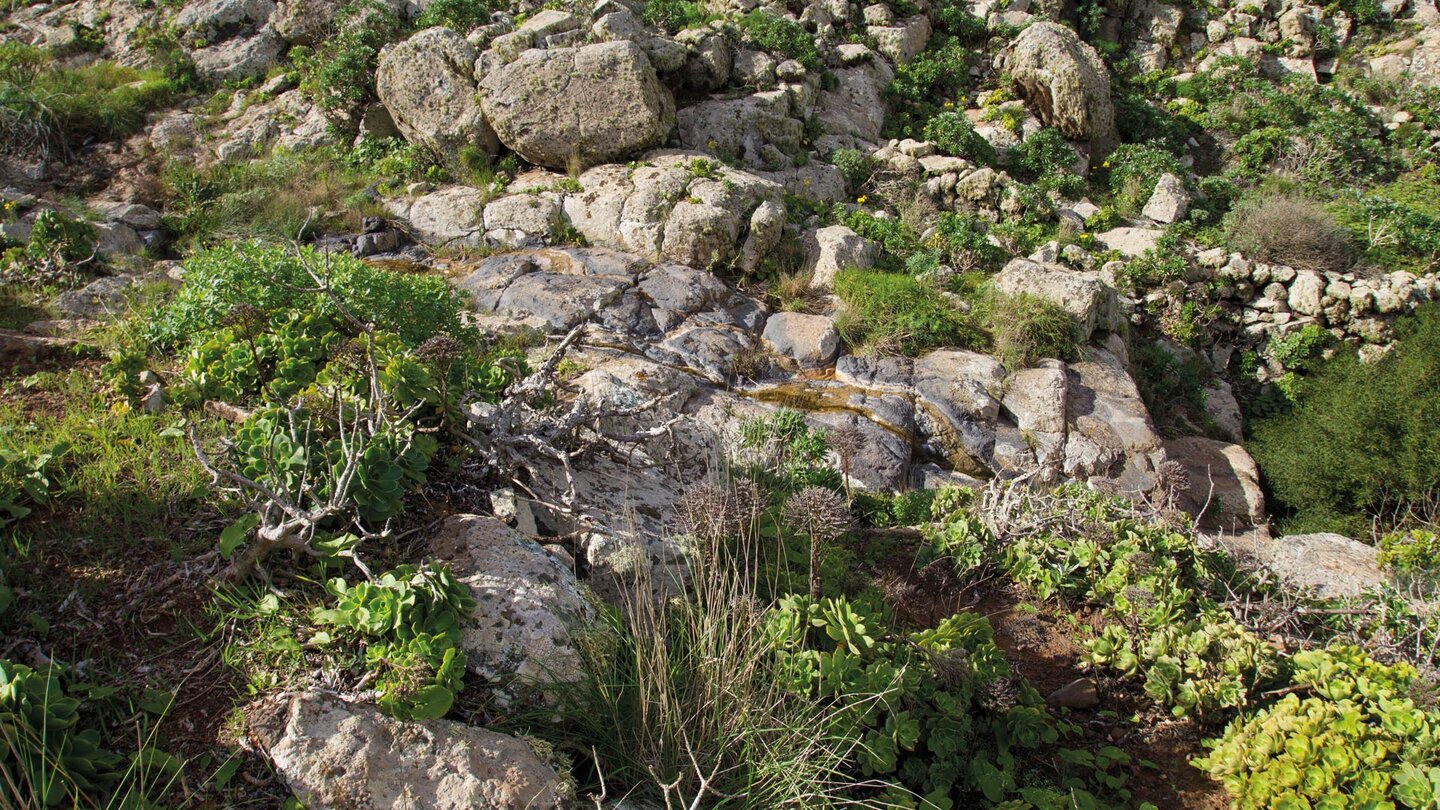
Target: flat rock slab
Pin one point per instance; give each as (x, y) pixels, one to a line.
(337, 756)
(1332, 564)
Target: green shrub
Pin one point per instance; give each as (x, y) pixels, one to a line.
(275, 281)
(1044, 153)
(779, 35)
(675, 15)
(1413, 551)
(1397, 223)
(1028, 328)
(892, 312)
(964, 241)
(1362, 442)
(26, 475)
(46, 109)
(938, 718)
(1357, 738)
(1132, 170)
(1284, 229)
(953, 133)
(461, 16)
(339, 74)
(855, 165)
(409, 620)
(929, 84)
(895, 239)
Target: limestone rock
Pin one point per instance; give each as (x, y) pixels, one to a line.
(1332, 564)
(1169, 202)
(809, 340)
(1066, 83)
(452, 216)
(335, 755)
(1224, 483)
(832, 249)
(586, 105)
(522, 632)
(1085, 295)
(427, 83)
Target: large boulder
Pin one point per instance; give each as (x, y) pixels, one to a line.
(1066, 83)
(336, 755)
(530, 607)
(809, 340)
(427, 83)
(830, 250)
(1083, 294)
(564, 106)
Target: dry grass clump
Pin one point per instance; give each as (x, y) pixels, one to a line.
(1290, 230)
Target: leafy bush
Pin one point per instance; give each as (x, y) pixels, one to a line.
(1398, 223)
(927, 85)
(675, 15)
(1359, 738)
(937, 716)
(891, 312)
(1133, 169)
(965, 242)
(782, 36)
(783, 452)
(457, 15)
(46, 109)
(953, 133)
(1044, 153)
(1410, 551)
(339, 75)
(1362, 441)
(409, 620)
(1027, 328)
(276, 281)
(1290, 230)
(897, 241)
(855, 165)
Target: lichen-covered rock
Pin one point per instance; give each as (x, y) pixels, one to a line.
(530, 607)
(832, 249)
(667, 210)
(1169, 202)
(450, 217)
(578, 106)
(1085, 295)
(809, 340)
(427, 83)
(337, 756)
(1066, 83)
(1332, 564)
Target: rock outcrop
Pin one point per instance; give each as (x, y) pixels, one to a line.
(577, 107)
(427, 83)
(336, 755)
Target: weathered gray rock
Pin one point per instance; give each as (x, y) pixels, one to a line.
(452, 216)
(1111, 439)
(810, 340)
(767, 226)
(1307, 293)
(427, 83)
(902, 42)
(523, 220)
(335, 756)
(1128, 240)
(1066, 83)
(1224, 483)
(240, 57)
(1332, 564)
(852, 114)
(580, 106)
(1083, 294)
(1035, 397)
(531, 608)
(832, 249)
(1169, 202)
(739, 128)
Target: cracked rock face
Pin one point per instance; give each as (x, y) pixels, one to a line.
(336, 756)
(578, 106)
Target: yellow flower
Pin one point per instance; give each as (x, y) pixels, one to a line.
(861, 199)
(1106, 164)
(949, 104)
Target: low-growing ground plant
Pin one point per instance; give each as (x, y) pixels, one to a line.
(1027, 328)
(1290, 230)
(897, 314)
